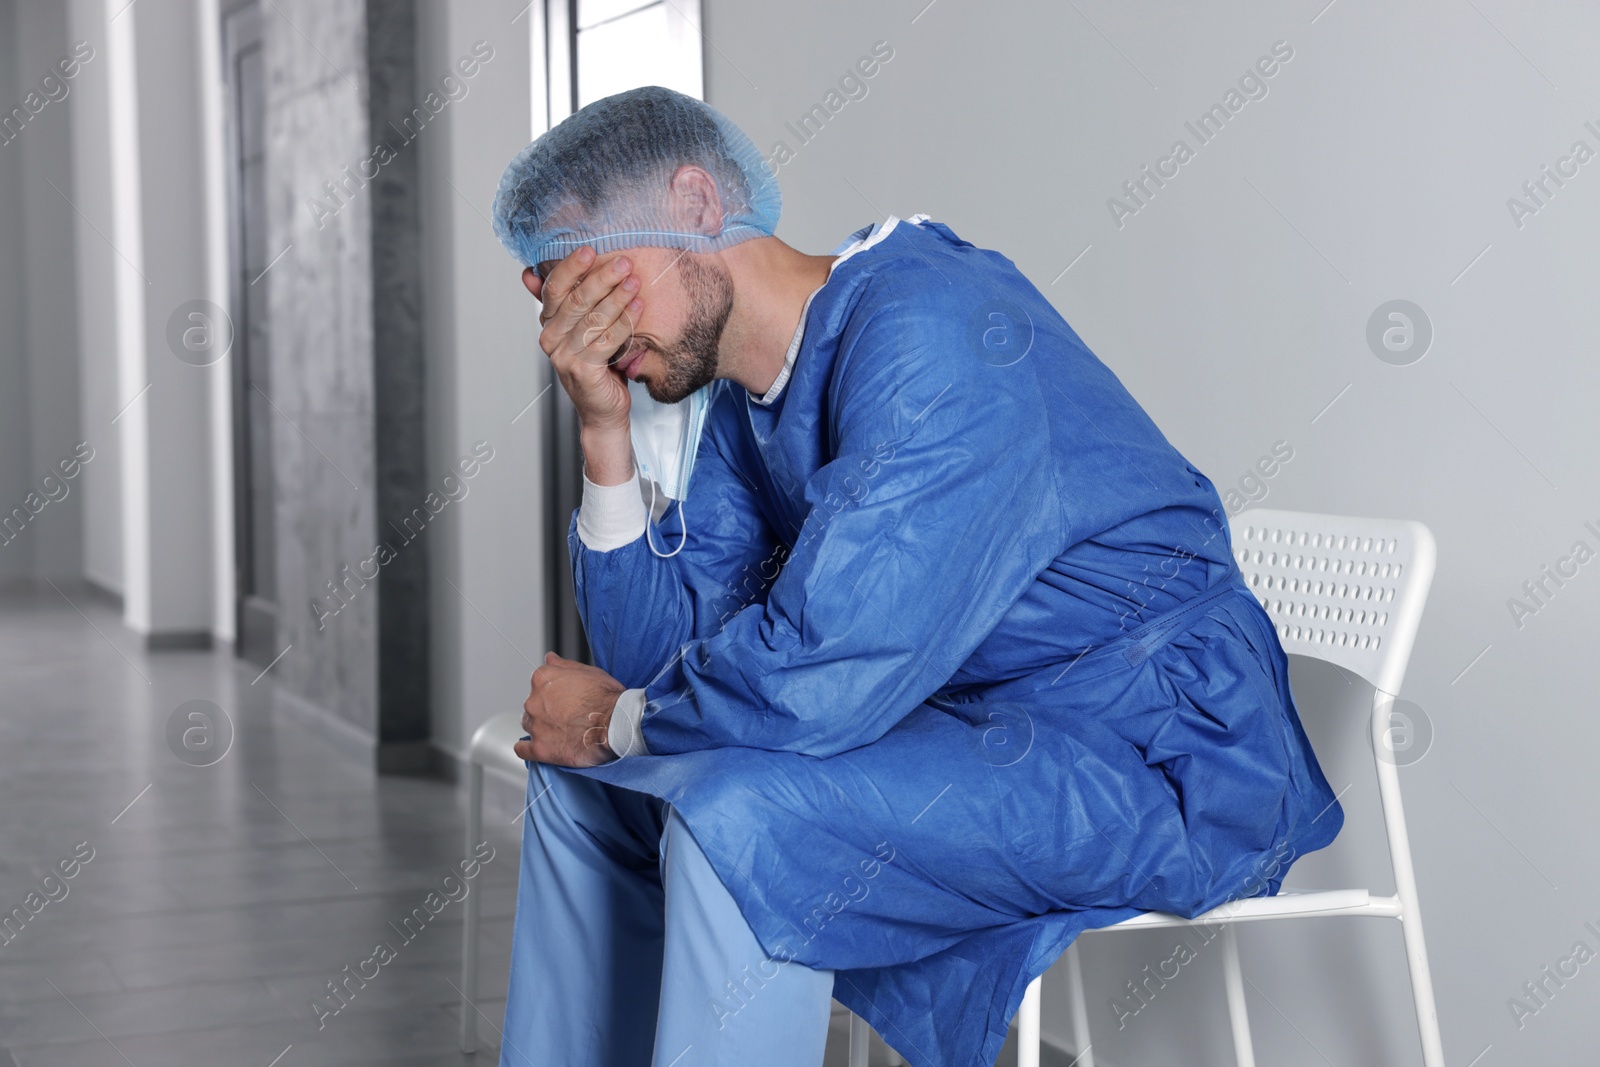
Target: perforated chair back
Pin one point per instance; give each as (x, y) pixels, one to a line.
(1344, 590)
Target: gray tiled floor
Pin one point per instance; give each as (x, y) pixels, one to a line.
(216, 906)
(219, 900)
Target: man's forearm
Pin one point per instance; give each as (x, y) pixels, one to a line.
(612, 513)
(607, 455)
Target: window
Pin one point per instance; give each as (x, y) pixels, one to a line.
(600, 47)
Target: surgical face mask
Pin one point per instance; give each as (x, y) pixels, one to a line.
(666, 438)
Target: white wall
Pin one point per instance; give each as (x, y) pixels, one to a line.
(171, 420)
(484, 367)
(149, 170)
(128, 146)
(1234, 306)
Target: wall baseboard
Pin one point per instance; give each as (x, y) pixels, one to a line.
(1053, 1053)
(415, 759)
(345, 737)
(103, 592)
(178, 641)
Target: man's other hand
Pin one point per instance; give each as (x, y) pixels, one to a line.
(568, 714)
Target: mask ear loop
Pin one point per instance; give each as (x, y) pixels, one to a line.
(682, 540)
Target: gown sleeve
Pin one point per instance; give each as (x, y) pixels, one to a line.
(639, 609)
(938, 510)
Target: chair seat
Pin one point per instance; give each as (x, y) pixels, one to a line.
(1284, 905)
(491, 745)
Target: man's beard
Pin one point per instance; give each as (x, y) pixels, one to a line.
(692, 361)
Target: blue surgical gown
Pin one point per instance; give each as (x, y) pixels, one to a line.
(956, 661)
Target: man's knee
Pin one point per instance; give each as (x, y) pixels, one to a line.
(612, 817)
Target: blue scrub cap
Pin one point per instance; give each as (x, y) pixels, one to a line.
(600, 178)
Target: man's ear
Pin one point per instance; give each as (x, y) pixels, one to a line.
(694, 203)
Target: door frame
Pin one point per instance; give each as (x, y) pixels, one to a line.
(255, 618)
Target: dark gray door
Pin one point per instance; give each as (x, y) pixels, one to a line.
(254, 484)
(563, 454)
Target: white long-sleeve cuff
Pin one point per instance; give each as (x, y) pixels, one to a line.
(626, 733)
(611, 516)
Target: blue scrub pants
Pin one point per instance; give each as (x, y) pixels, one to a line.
(627, 951)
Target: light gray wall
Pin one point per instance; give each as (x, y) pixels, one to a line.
(50, 332)
(38, 337)
(484, 368)
(15, 461)
(100, 484)
(1234, 306)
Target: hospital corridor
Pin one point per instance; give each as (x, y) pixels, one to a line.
(210, 913)
(705, 533)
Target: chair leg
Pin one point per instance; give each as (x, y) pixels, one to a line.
(1028, 1026)
(1080, 1010)
(859, 1033)
(1422, 991)
(469, 923)
(1405, 885)
(1243, 1050)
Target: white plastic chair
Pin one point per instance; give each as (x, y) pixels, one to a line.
(1349, 592)
(491, 747)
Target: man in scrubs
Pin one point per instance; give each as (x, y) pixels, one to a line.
(919, 651)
